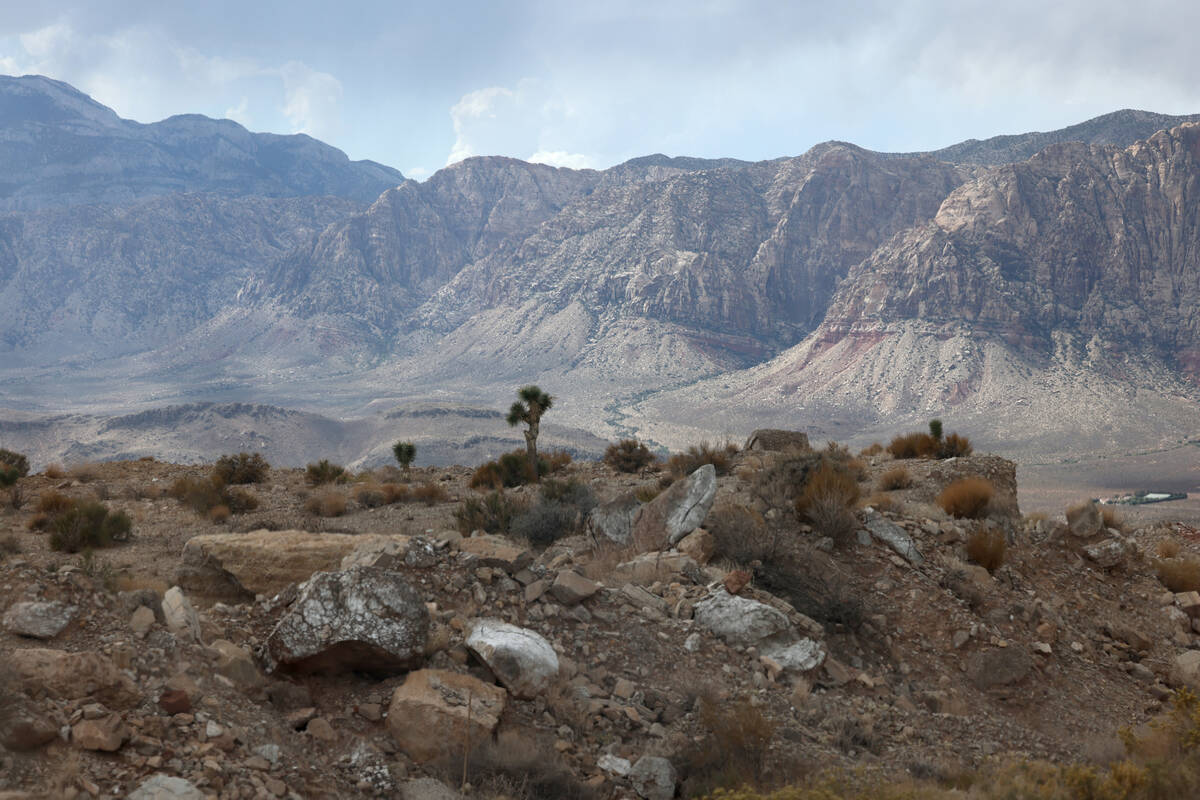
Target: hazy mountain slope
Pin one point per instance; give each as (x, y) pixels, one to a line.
(1121, 128)
(98, 280)
(58, 146)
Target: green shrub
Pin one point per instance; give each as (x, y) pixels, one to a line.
(404, 452)
(241, 468)
(570, 492)
(16, 461)
(493, 513)
(324, 472)
(88, 525)
(8, 475)
(628, 455)
(508, 471)
(545, 523)
(935, 429)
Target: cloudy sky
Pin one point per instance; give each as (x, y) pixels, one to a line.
(418, 85)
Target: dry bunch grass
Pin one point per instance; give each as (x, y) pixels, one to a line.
(326, 504)
(893, 479)
(967, 498)
(987, 547)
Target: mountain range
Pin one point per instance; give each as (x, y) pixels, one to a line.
(1039, 290)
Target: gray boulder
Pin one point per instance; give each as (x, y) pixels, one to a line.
(522, 659)
(613, 521)
(181, 618)
(653, 778)
(739, 620)
(365, 618)
(1108, 553)
(1084, 520)
(799, 656)
(892, 535)
(39, 619)
(165, 787)
(679, 510)
(777, 440)
(998, 667)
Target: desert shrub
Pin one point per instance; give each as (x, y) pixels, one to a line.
(645, 494)
(88, 525)
(241, 468)
(721, 457)
(54, 471)
(16, 498)
(14, 461)
(404, 453)
(515, 766)
(827, 500)
(954, 446)
(732, 750)
(9, 475)
(493, 513)
(557, 459)
(935, 429)
(39, 522)
(324, 471)
(1112, 518)
(85, 473)
(10, 545)
(1179, 574)
(1167, 547)
(430, 493)
(511, 469)
(53, 502)
(395, 493)
(487, 477)
(569, 492)
(741, 534)
(545, 523)
(913, 445)
(219, 514)
(986, 547)
(966, 498)
(873, 449)
(202, 495)
(628, 455)
(370, 495)
(885, 502)
(326, 504)
(893, 479)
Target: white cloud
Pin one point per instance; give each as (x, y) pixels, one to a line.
(561, 158)
(312, 100)
(417, 173)
(502, 121)
(239, 113)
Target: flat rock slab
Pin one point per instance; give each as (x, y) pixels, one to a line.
(39, 619)
(266, 562)
(799, 656)
(777, 440)
(73, 676)
(679, 510)
(647, 568)
(522, 659)
(892, 535)
(165, 787)
(428, 714)
(739, 620)
(1001, 666)
(653, 778)
(182, 619)
(496, 551)
(367, 618)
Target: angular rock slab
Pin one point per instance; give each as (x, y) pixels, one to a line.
(1085, 520)
(1185, 670)
(1108, 553)
(165, 787)
(894, 536)
(39, 619)
(266, 562)
(366, 619)
(739, 620)
(181, 617)
(496, 551)
(799, 656)
(998, 667)
(522, 659)
(428, 714)
(679, 510)
(613, 521)
(73, 676)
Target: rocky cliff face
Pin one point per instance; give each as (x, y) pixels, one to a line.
(844, 284)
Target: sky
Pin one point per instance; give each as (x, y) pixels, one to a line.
(419, 85)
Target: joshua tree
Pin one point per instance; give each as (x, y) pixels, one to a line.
(529, 409)
(404, 452)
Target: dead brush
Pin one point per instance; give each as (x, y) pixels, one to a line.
(741, 534)
(52, 501)
(827, 501)
(1180, 574)
(987, 547)
(720, 456)
(326, 504)
(967, 498)
(1168, 547)
(516, 765)
(895, 479)
(885, 502)
(1111, 518)
(430, 494)
(733, 749)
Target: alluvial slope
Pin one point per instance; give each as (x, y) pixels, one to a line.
(58, 146)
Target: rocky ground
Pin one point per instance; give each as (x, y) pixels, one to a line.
(703, 637)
